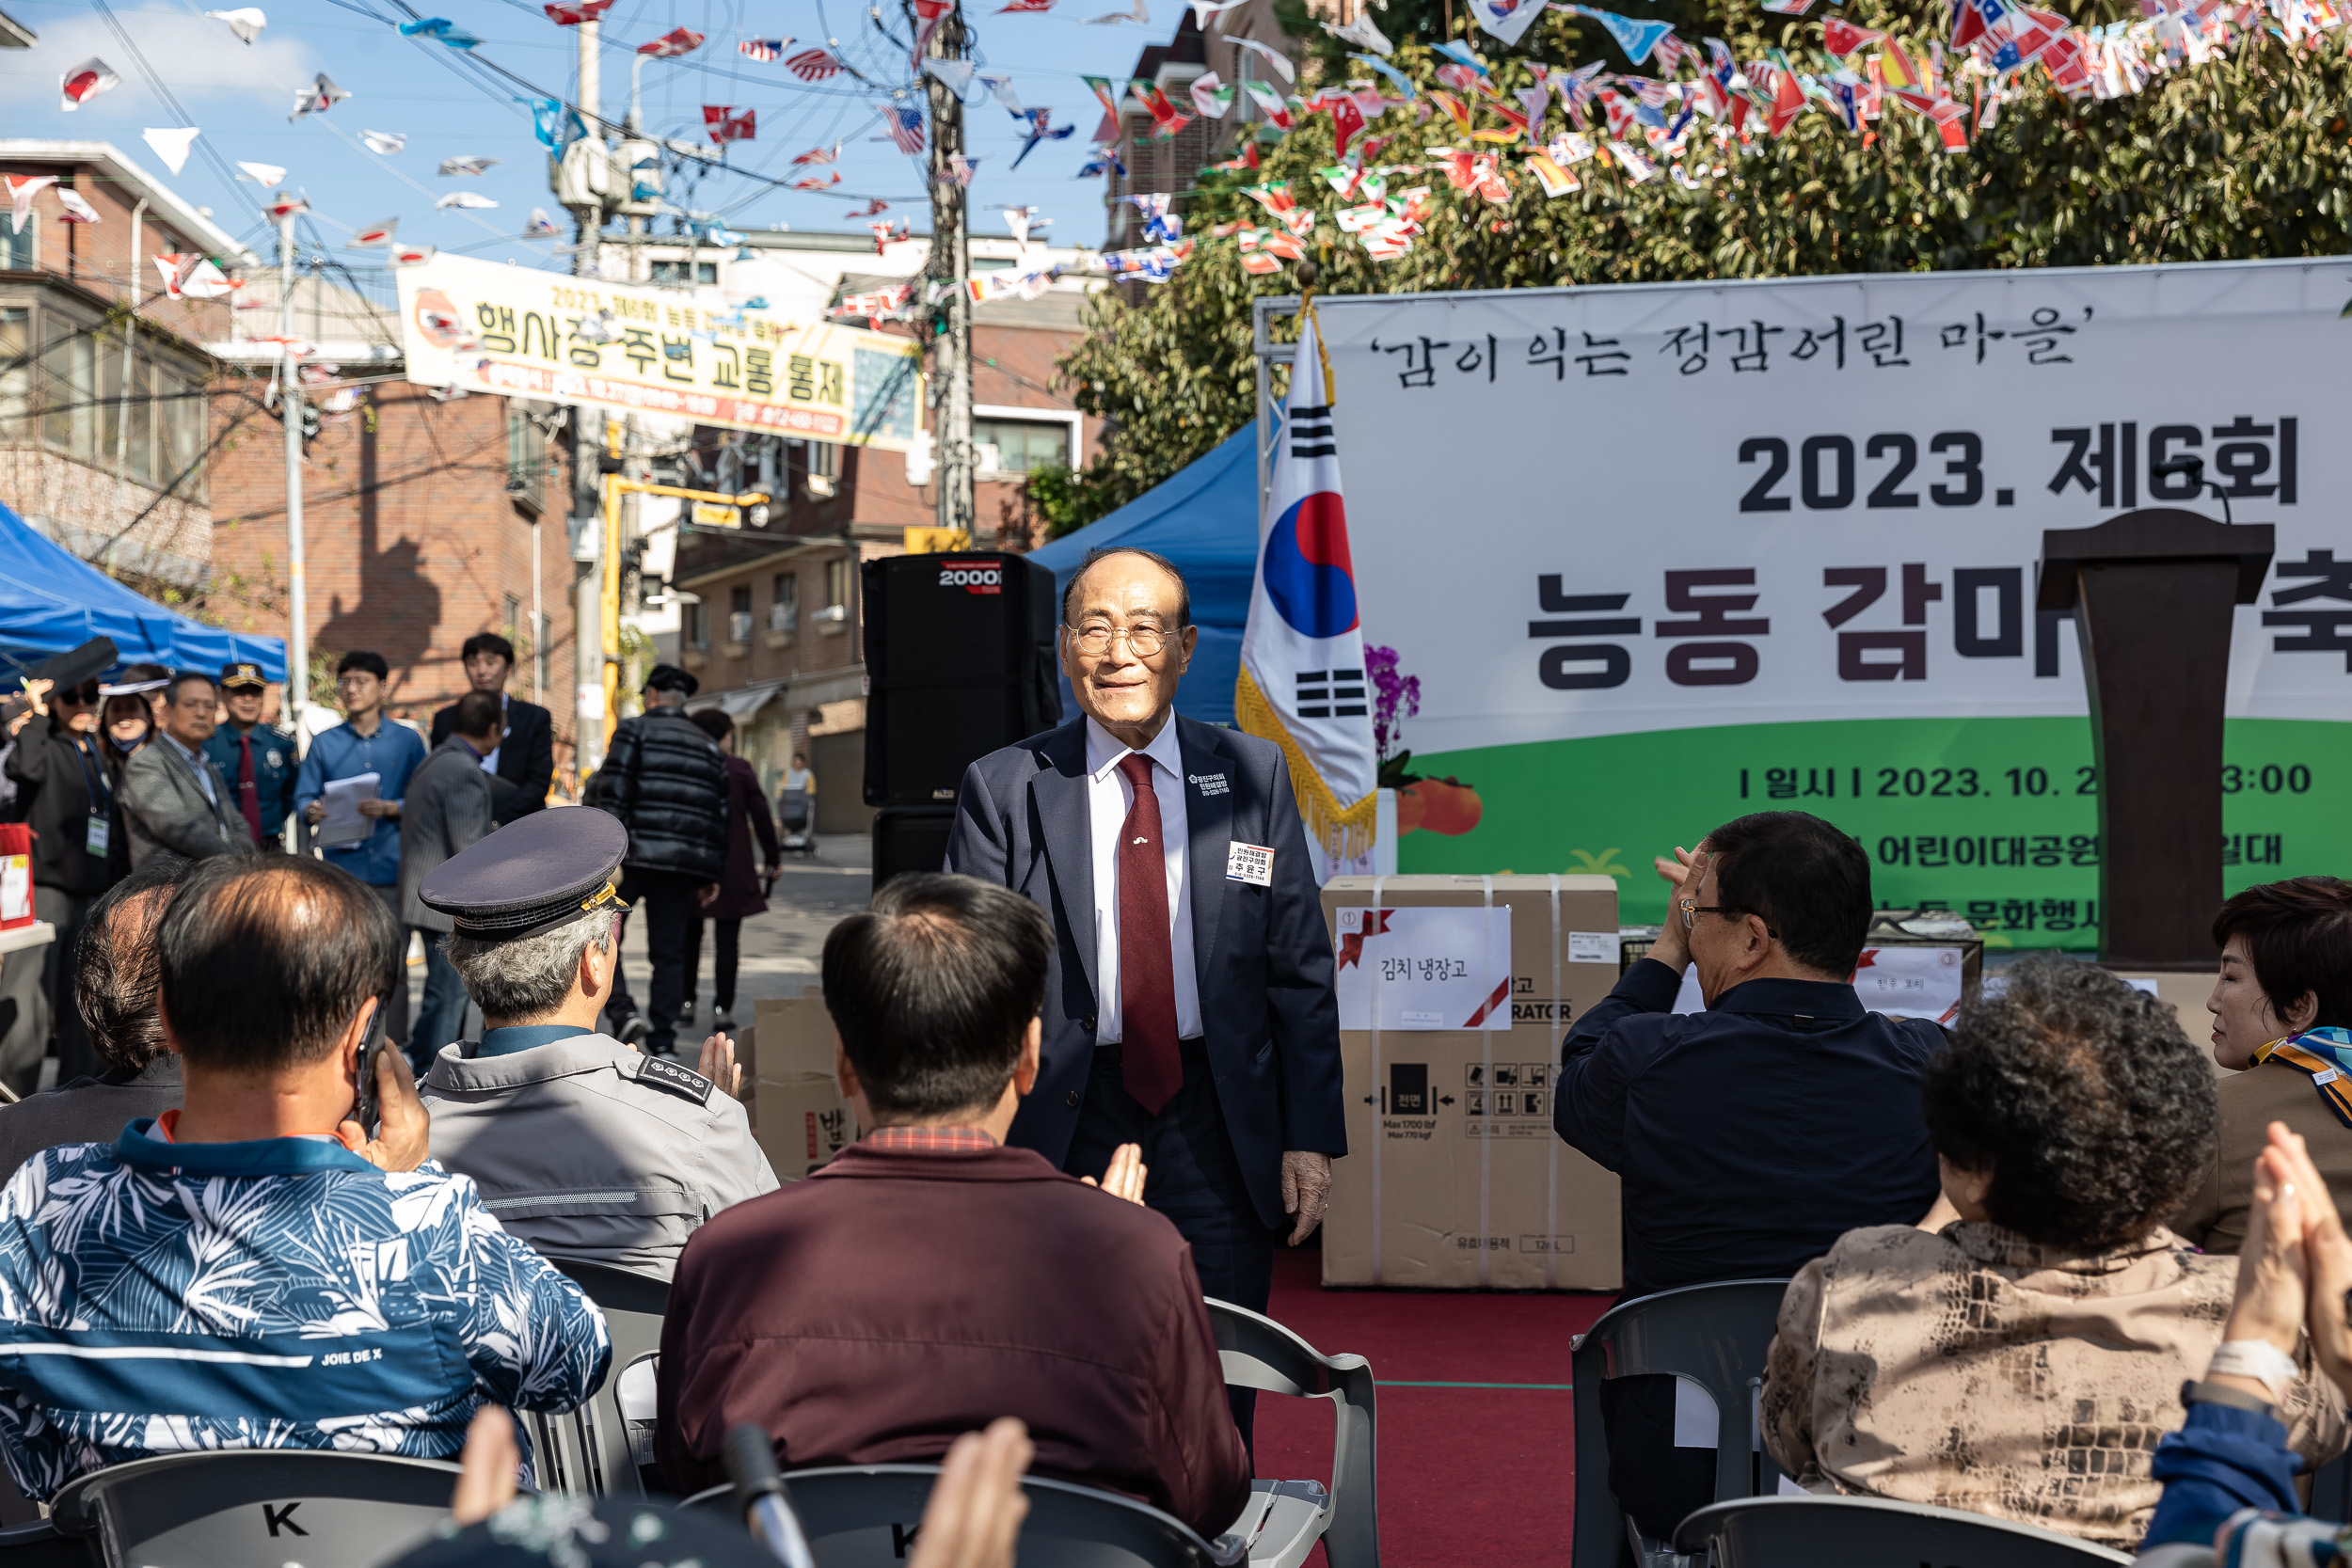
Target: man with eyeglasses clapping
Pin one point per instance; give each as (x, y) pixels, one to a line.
(1749, 1136)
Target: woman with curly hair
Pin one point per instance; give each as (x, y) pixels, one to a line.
(2022, 1359)
(2281, 1008)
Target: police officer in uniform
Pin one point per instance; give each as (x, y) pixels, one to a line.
(583, 1146)
(257, 759)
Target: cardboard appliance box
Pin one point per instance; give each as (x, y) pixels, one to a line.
(798, 1114)
(1454, 1177)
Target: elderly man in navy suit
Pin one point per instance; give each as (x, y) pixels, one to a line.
(1190, 1010)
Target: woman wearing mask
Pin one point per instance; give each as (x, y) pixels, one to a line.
(127, 721)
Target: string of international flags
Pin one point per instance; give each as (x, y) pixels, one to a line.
(1645, 127)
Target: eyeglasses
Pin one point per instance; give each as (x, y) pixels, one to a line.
(1142, 642)
(1691, 909)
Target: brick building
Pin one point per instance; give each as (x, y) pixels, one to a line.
(424, 521)
(770, 616)
(103, 422)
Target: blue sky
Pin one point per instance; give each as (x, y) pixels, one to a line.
(240, 96)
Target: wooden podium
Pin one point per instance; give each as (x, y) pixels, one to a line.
(2151, 593)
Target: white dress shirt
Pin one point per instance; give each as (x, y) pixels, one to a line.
(490, 761)
(1108, 797)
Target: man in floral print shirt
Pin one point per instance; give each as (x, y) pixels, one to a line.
(254, 1270)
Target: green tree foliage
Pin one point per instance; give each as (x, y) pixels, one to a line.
(2244, 156)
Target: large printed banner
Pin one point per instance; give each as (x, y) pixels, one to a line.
(1663, 555)
(488, 328)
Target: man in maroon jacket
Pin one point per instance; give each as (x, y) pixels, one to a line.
(929, 1279)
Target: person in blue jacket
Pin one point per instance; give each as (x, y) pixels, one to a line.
(2229, 1476)
(366, 742)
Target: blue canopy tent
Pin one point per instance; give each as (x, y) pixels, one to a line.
(52, 601)
(1204, 519)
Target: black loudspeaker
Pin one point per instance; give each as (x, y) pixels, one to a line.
(910, 838)
(959, 662)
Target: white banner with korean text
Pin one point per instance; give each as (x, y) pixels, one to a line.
(1659, 555)
(487, 328)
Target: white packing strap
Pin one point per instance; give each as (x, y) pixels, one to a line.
(1486, 1044)
(1551, 1099)
(1379, 1097)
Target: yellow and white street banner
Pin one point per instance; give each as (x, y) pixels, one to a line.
(488, 328)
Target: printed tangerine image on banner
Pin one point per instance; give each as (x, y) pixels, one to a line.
(1309, 574)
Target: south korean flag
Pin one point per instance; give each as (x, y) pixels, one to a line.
(1302, 656)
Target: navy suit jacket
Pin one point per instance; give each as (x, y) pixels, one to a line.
(1262, 958)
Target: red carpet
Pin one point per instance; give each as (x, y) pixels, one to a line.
(1477, 1460)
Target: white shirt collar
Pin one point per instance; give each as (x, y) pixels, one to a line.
(1104, 750)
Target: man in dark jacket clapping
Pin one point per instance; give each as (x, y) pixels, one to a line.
(667, 783)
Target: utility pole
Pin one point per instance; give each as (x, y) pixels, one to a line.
(951, 261)
(588, 440)
(297, 688)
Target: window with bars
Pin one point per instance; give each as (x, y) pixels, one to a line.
(526, 461)
(740, 614)
(783, 603)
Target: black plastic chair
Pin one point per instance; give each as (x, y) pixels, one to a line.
(1803, 1533)
(2331, 1491)
(594, 1451)
(865, 1516)
(252, 1507)
(1717, 1336)
(40, 1546)
(1287, 1518)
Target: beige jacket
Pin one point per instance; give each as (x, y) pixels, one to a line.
(2214, 1218)
(1975, 1369)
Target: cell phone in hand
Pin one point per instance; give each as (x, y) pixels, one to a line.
(364, 1108)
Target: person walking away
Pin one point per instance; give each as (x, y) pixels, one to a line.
(668, 785)
(64, 794)
(796, 803)
(449, 806)
(257, 759)
(742, 889)
(173, 798)
(364, 742)
(523, 765)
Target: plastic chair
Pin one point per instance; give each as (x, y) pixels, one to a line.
(1801, 1532)
(40, 1546)
(1287, 1518)
(2331, 1491)
(595, 1450)
(865, 1516)
(239, 1507)
(1717, 1336)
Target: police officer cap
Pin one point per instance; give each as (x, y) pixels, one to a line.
(234, 676)
(533, 875)
(669, 678)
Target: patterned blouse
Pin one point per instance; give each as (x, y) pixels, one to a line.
(160, 1298)
(1977, 1371)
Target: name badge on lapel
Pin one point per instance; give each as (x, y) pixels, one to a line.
(1249, 862)
(1211, 784)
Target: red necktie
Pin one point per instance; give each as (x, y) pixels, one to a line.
(1152, 1067)
(248, 797)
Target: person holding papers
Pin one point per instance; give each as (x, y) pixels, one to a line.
(372, 760)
